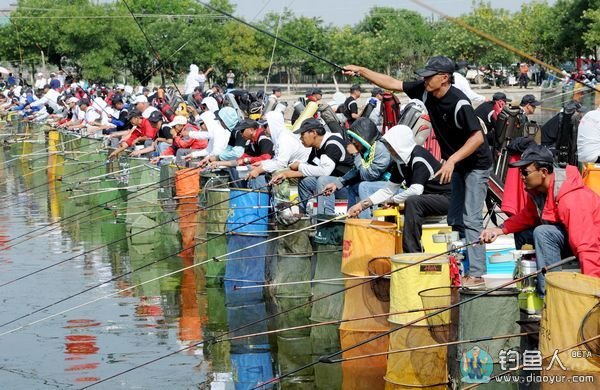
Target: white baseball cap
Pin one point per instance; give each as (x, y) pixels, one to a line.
(72, 99)
(178, 120)
(140, 99)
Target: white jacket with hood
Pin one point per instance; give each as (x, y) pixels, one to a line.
(193, 79)
(216, 134)
(287, 146)
(402, 141)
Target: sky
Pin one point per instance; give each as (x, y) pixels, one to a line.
(342, 12)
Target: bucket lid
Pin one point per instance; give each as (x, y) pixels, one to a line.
(411, 258)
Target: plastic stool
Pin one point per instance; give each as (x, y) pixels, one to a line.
(392, 214)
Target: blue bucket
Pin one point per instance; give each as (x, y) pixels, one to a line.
(244, 268)
(248, 206)
(251, 369)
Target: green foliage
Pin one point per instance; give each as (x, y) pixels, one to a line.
(454, 40)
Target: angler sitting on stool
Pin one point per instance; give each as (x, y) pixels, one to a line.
(327, 161)
(425, 195)
(371, 161)
(561, 213)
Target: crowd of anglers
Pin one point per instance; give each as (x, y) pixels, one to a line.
(434, 156)
(437, 156)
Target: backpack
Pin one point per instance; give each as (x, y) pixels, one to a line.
(390, 108)
(509, 125)
(414, 115)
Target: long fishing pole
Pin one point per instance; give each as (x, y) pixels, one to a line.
(91, 211)
(299, 282)
(497, 41)
(437, 345)
(317, 324)
(228, 332)
(269, 317)
(154, 51)
(173, 219)
(276, 37)
(556, 352)
(327, 358)
(79, 172)
(215, 259)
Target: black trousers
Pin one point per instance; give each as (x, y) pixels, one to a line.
(416, 208)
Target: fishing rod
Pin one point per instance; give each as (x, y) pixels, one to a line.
(317, 324)
(79, 172)
(556, 352)
(155, 52)
(327, 358)
(215, 259)
(101, 206)
(173, 219)
(438, 345)
(276, 37)
(298, 282)
(33, 172)
(91, 211)
(498, 42)
(228, 332)
(269, 317)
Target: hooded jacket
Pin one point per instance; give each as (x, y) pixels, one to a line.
(376, 158)
(217, 136)
(416, 164)
(287, 148)
(574, 206)
(192, 80)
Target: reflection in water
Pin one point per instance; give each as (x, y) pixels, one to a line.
(81, 350)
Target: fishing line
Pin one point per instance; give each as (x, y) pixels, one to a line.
(215, 259)
(421, 347)
(269, 317)
(498, 42)
(271, 35)
(327, 358)
(156, 53)
(173, 219)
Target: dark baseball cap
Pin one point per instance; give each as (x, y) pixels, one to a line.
(500, 96)
(530, 99)
(376, 91)
(84, 101)
(355, 87)
(155, 117)
(534, 153)
(317, 91)
(309, 124)
(245, 124)
(135, 113)
(435, 65)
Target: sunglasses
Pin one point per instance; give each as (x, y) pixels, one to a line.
(525, 172)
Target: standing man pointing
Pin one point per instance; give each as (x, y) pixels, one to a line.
(467, 160)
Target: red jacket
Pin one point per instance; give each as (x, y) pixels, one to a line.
(577, 208)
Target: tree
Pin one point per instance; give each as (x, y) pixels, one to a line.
(456, 41)
(538, 33)
(395, 39)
